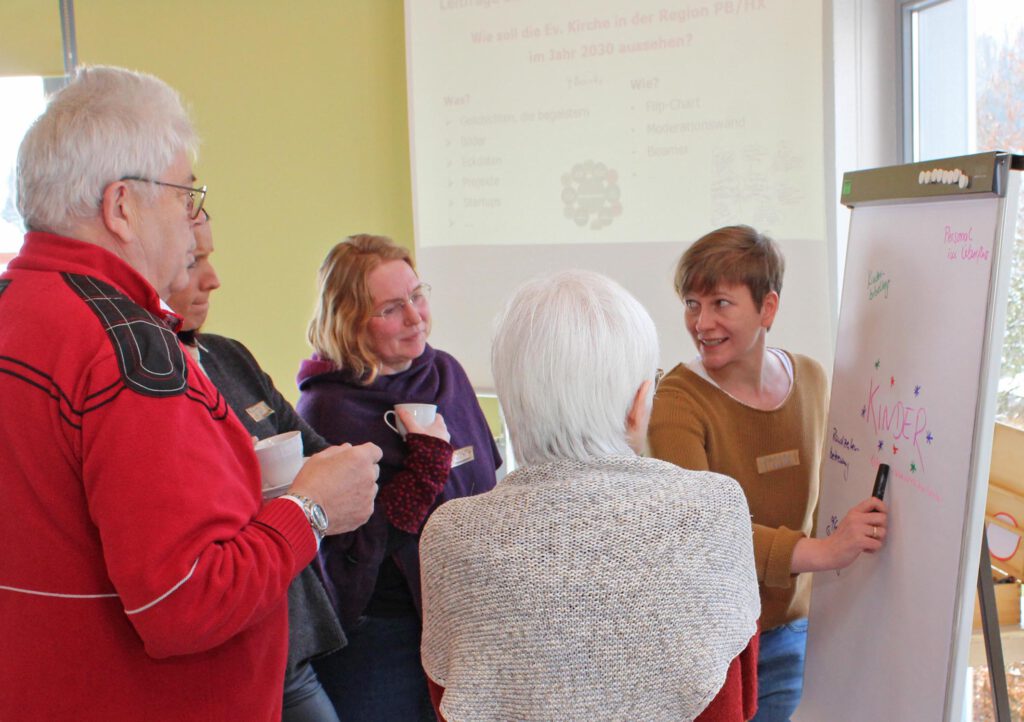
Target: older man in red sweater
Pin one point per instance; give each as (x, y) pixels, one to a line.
(141, 575)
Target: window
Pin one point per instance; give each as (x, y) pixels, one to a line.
(938, 86)
(964, 93)
(23, 99)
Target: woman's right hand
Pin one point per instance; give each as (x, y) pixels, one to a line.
(863, 529)
(438, 429)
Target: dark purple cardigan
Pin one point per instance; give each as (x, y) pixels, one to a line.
(343, 410)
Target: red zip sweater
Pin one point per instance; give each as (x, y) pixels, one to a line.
(140, 575)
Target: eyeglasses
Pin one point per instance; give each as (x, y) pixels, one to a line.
(196, 196)
(418, 299)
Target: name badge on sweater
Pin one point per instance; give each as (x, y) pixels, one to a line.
(462, 456)
(260, 411)
(774, 462)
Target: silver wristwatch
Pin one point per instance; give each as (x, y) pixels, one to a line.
(315, 514)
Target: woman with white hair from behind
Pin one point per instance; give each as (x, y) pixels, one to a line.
(591, 583)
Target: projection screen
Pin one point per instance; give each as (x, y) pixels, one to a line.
(609, 135)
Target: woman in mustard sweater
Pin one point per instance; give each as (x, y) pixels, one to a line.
(758, 414)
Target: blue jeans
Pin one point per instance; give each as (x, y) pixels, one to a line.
(780, 671)
(378, 676)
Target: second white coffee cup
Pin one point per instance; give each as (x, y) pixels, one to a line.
(280, 459)
(423, 413)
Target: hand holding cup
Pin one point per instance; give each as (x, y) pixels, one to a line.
(423, 416)
(436, 428)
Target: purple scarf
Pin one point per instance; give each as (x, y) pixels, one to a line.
(342, 410)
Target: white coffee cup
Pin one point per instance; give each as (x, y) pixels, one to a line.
(423, 413)
(280, 459)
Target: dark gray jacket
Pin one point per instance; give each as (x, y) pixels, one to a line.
(313, 627)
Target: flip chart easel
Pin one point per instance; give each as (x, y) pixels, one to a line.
(917, 360)
(990, 628)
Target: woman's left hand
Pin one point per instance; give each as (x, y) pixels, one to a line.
(438, 429)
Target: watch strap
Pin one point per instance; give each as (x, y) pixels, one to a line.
(307, 505)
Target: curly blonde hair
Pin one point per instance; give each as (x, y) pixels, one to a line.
(337, 331)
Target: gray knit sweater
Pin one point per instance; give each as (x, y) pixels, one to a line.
(613, 588)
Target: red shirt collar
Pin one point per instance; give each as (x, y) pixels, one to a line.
(50, 252)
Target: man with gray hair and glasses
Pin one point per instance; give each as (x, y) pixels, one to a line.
(141, 577)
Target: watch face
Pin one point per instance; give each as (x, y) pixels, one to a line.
(318, 517)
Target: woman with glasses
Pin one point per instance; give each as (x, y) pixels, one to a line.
(369, 335)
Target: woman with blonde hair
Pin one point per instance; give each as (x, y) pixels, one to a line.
(369, 335)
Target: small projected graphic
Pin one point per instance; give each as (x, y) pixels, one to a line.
(591, 195)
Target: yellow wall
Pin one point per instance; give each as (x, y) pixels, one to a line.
(30, 38)
(302, 112)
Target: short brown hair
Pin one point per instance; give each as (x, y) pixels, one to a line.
(337, 331)
(732, 254)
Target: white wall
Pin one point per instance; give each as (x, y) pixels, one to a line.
(862, 109)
